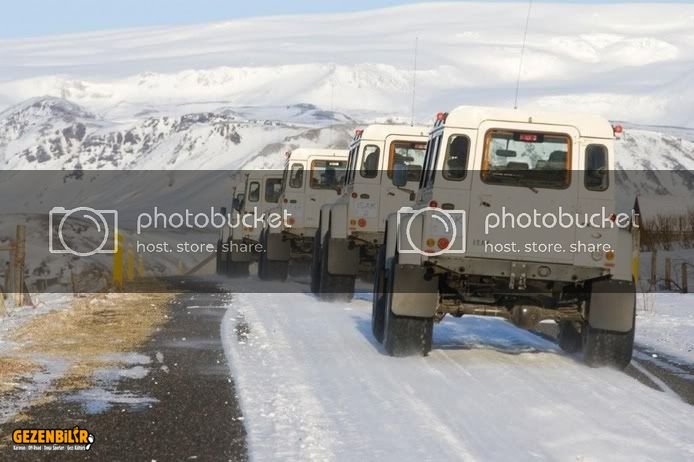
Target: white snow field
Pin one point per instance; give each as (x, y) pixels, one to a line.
(626, 61)
(314, 385)
(665, 323)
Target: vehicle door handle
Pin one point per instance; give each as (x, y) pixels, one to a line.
(391, 193)
(293, 201)
(313, 199)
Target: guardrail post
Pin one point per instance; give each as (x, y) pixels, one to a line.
(668, 274)
(654, 268)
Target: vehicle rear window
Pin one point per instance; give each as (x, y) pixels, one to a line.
(527, 159)
(410, 154)
(596, 175)
(273, 189)
(296, 176)
(328, 174)
(457, 153)
(254, 191)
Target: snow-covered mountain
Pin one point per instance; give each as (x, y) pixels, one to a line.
(53, 133)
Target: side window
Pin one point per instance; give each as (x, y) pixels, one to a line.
(273, 187)
(596, 175)
(296, 176)
(254, 191)
(457, 153)
(352, 164)
(371, 161)
(432, 156)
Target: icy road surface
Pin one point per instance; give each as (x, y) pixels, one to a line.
(314, 385)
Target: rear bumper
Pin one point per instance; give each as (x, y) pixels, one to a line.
(517, 269)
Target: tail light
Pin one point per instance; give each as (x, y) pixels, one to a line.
(433, 204)
(443, 243)
(362, 223)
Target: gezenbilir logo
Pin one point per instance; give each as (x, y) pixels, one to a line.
(37, 438)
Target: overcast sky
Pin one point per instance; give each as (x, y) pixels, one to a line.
(26, 18)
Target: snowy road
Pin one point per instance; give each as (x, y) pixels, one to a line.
(314, 385)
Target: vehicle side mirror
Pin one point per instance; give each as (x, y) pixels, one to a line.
(223, 211)
(339, 190)
(399, 175)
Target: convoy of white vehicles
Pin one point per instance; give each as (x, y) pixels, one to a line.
(351, 228)
(467, 218)
(312, 178)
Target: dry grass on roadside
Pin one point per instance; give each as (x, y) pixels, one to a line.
(94, 326)
(12, 370)
(83, 335)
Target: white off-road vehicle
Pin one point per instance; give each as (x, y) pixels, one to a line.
(312, 178)
(515, 217)
(351, 229)
(260, 192)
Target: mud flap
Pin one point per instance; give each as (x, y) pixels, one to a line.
(239, 256)
(612, 305)
(341, 259)
(412, 294)
(276, 248)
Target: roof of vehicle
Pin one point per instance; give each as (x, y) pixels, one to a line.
(264, 174)
(305, 153)
(381, 131)
(586, 124)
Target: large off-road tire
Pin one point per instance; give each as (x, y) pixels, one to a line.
(316, 264)
(334, 287)
(378, 307)
(404, 335)
(270, 270)
(569, 338)
(608, 348)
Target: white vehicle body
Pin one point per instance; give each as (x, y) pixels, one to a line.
(354, 224)
(312, 178)
(256, 194)
(488, 163)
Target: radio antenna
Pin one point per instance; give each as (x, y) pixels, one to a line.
(414, 78)
(520, 63)
(332, 105)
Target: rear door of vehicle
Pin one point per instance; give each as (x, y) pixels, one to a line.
(524, 178)
(326, 177)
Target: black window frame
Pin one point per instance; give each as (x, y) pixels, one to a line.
(606, 180)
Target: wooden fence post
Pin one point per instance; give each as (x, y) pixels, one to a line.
(19, 263)
(668, 274)
(685, 285)
(654, 268)
(3, 310)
